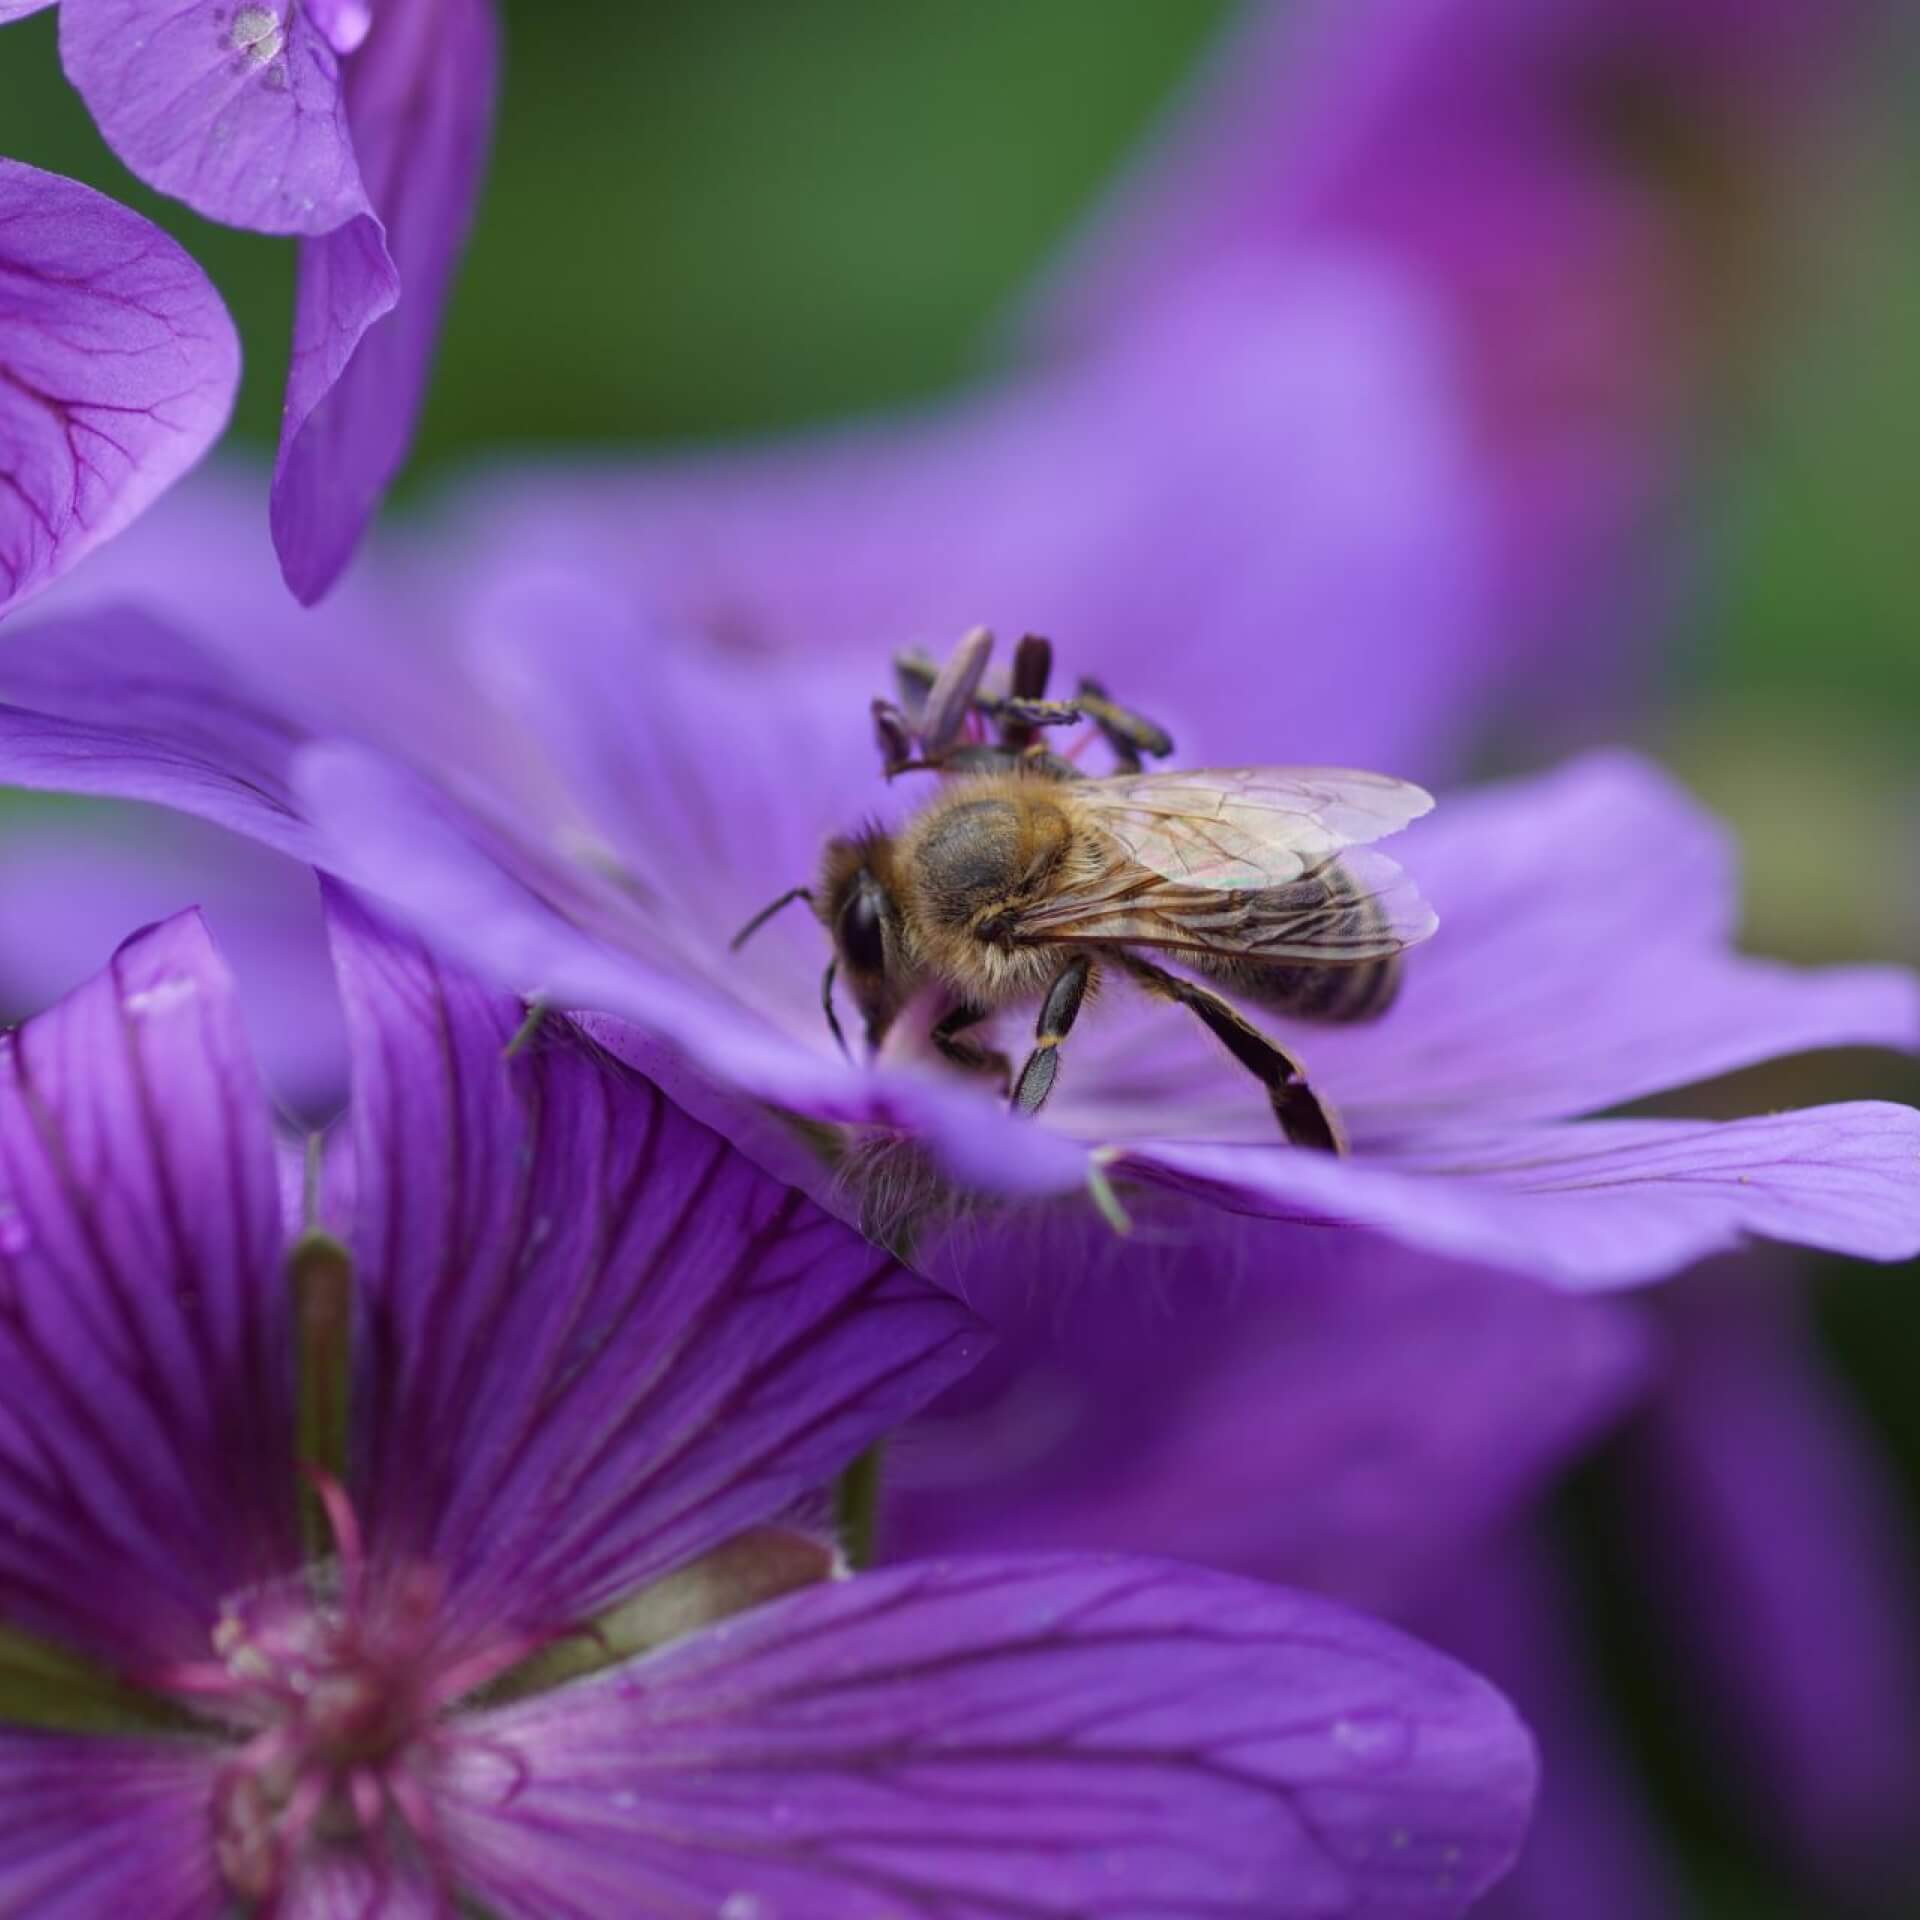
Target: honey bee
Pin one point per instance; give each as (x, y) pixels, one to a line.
(1022, 879)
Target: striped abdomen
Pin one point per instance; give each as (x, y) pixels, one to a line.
(1340, 914)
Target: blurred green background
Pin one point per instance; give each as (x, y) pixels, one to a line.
(707, 221)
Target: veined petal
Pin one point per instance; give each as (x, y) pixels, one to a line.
(145, 1444)
(598, 1341)
(1586, 960)
(1598, 1203)
(115, 703)
(93, 1826)
(420, 97)
(1060, 1735)
(235, 109)
(118, 366)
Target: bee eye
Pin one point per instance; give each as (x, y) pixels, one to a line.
(862, 944)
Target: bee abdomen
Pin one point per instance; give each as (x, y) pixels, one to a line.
(1334, 912)
(1361, 991)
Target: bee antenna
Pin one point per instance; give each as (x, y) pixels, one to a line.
(766, 913)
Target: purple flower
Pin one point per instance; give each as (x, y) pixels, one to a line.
(566, 821)
(118, 367)
(1387, 1430)
(307, 117)
(546, 1628)
(1588, 193)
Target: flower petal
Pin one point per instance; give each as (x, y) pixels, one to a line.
(118, 366)
(1598, 1203)
(12, 10)
(1777, 1551)
(115, 703)
(145, 1437)
(598, 1341)
(1277, 456)
(344, 22)
(93, 1826)
(1591, 1852)
(77, 878)
(420, 99)
(1315, 1407)
(482, 896)
(1600, 901)
(235, 109)
(1047, 1735)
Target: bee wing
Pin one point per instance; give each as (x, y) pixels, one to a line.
(1265, 862)
(1241, 827)
(1352, 907)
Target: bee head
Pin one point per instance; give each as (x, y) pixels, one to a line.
(858, 907)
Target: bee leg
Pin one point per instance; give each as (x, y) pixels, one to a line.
(1057, 1014)
(969, 1053)
(1303, 1119)
(826, 1004)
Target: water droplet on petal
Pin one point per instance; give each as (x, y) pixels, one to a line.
(256, 35)
(1372, 1739)
(744, 1906)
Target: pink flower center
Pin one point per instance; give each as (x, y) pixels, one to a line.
(341, 1678)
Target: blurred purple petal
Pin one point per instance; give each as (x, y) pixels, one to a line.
(344, 22)
(234, 108)
(1317, 1408)
(114, 703)
(1776, 1548)
(100, 1826)
(1554, 176)
(146, 1429)
(339, 1885)
(74, 880)
(11, 10)
(599, 1341)
(1276, 458)
(118, 366)
(1602, 1203)
(1590, 1853)
(1055, 1735)
(420, 99)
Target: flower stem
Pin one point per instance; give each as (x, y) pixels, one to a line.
(856, 1506)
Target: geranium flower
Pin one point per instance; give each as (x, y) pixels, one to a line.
(359, 125)
(1597, 197)
(118, 366)
(589, 840)
(556, 1413)
(1387, 1429)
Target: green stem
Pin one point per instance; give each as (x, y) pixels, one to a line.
(856, 1506)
